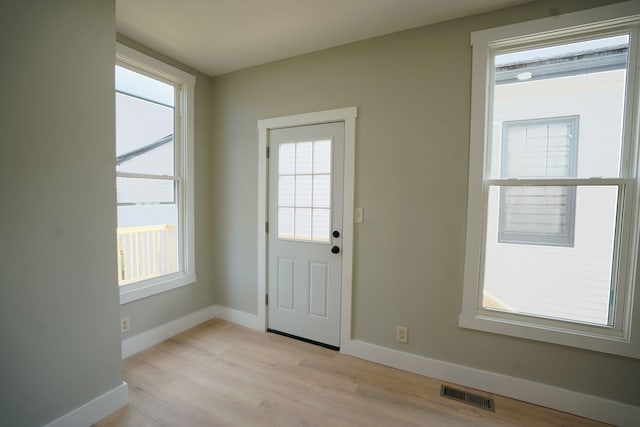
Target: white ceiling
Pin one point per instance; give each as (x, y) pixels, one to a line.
(219, 36)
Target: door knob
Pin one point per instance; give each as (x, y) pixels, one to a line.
(336, 234)
(335, 250)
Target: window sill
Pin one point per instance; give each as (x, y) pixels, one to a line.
(157, 285)
(599, 339)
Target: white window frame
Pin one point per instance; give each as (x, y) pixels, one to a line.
(184, 165)
(623, 338)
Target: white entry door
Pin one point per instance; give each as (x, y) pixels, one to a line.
(305, 231)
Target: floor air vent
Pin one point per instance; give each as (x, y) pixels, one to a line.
(468, 398)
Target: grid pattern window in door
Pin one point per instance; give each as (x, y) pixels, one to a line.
(540, 148)
(304, 191)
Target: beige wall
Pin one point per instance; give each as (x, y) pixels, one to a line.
(58, 295)
(151, 312)
(412, 90)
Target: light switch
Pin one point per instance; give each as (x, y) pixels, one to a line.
(358, 215)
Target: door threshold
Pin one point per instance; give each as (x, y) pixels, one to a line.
(295, 337)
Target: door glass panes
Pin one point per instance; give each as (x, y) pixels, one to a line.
(321, 191)
(286, 221)
(557, 116)
(304, 191)
(303, 224)
(321, 224)
(286, 190)
(287, 159)
(304, 157)
(322, 157)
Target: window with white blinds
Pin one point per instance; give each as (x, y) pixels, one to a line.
(539, 148)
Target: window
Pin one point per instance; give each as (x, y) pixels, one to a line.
(538, 148)
(154, 175)
(304, 191)
(552, 222)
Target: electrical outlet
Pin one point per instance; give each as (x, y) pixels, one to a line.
(402, 334)
(124, 325)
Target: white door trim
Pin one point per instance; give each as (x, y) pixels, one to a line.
(348, 116)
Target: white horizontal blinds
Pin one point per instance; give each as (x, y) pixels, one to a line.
(538, 149)
(304, 190)
(535, 210)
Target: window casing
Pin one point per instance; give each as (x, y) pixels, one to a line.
(609, 329)
(154, 175)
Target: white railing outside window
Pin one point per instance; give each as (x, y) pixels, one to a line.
(145, 252)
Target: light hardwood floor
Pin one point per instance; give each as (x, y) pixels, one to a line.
(221, 374)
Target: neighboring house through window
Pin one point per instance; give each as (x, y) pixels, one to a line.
(154, 175)
(538, 148)
(553, 226)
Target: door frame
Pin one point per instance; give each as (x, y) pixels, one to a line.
(348, 116)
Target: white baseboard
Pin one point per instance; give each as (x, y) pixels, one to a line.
(581, 404)
(241, 318)
(137, 343)
(96, 409)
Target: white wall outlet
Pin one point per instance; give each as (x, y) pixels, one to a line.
(124, 325)
(402, 334)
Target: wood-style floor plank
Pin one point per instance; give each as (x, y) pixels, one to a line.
(221, 374)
